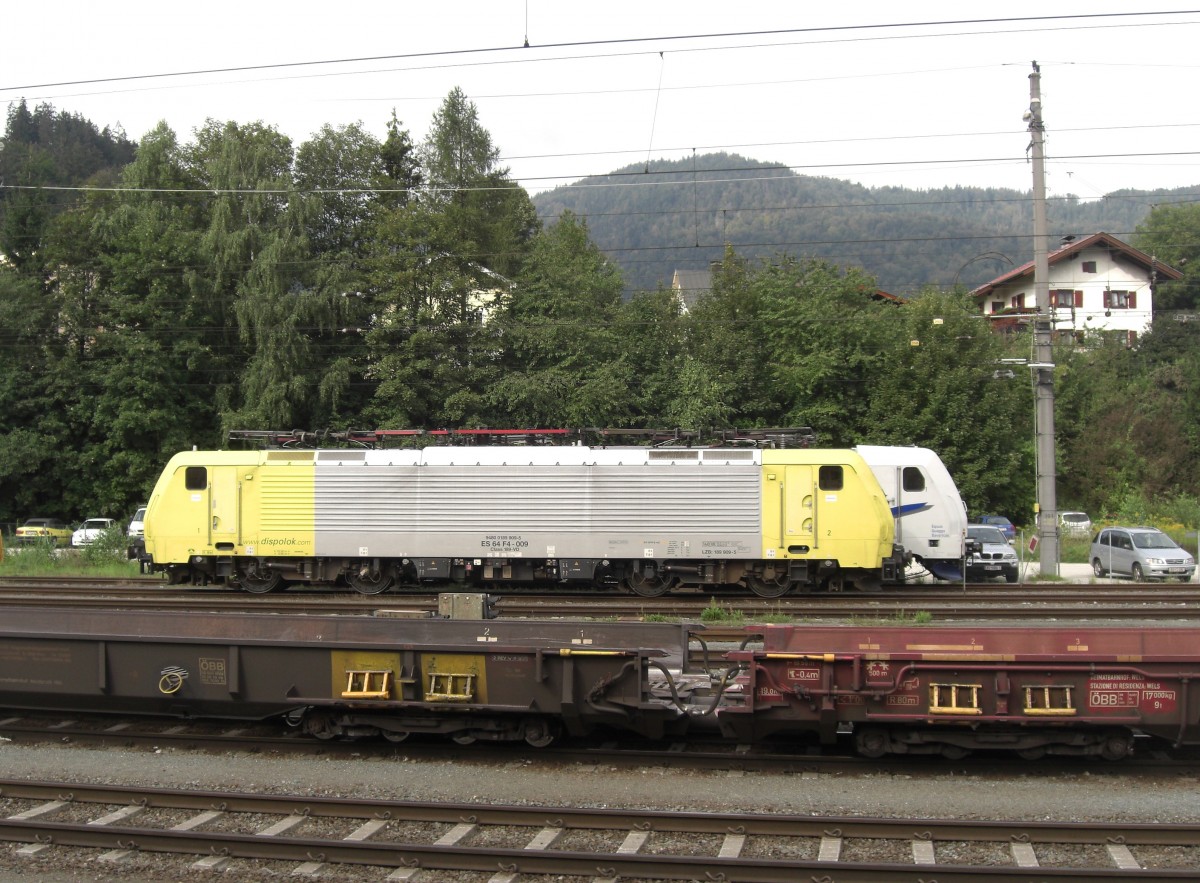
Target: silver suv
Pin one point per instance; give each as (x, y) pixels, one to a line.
(1140, 553)
(989, 554)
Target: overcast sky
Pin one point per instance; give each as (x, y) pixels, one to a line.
(920, 94)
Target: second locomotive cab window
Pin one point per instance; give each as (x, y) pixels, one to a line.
(830, 478)
(195, 478)
(913, 479)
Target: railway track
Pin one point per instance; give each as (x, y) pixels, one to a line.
(406, 840)
(975, 602)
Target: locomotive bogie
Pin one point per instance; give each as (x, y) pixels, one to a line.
(647, 519)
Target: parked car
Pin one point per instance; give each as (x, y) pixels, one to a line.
(41, 530)
(88, 532)
(1075, 524)
(136, 527)
(989, 553)
(1006, 526)
(1140, 553)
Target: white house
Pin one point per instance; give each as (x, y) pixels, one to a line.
(1097, 283)
(690, 285)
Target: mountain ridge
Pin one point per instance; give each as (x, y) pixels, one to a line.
(654, 218)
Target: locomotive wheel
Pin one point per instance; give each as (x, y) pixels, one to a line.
(395, 735)
(368, 583)
(869, 583)
(463, 737)
(648, 586)
(770, 587)
(257, 584)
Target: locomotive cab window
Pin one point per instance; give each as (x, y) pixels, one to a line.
(195, 478)
(830, 478)
(913, 479)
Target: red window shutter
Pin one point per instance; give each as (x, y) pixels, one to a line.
(1133, 300)
(1107, 299)
(1078, 299)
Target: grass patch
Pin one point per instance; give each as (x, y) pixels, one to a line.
(715, 613)
(104, 558)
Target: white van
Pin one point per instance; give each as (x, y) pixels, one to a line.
(136, 528)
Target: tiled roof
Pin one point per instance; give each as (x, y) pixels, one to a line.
(1074, 247)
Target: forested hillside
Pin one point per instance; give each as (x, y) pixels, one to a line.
(654, 219)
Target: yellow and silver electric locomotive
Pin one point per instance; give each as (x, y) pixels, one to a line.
(648, 519)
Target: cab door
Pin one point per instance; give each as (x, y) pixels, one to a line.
(798, 514)
(224, 505)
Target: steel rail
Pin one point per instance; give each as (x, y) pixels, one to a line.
(550, 861)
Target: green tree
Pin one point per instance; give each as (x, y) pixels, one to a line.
(492, 215)
(561, 349)
(440, 269)
(336, 176)
(257, 251)
(941, 385)
(1171, 233)
(825, 337)
(31, 429)
(132, 370)
(43, 150)
(726, 354)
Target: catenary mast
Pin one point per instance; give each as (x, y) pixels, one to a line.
(1043, 326)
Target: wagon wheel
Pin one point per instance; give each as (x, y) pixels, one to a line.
(369, 582)
(648, 585)
(539, 733)
(774, 585)
(872, 742)
(321, 725)
(395, 735)
(1116, 744)
(256, 582)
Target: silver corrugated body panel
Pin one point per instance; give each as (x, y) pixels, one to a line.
(635, 511)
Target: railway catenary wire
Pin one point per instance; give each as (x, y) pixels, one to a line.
(600, 844)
